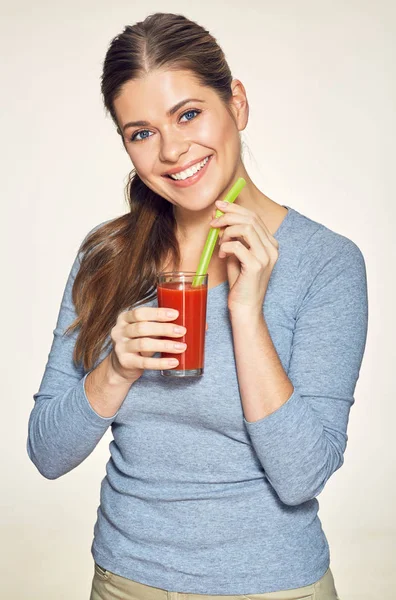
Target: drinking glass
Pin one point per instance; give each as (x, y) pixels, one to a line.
(175, 290)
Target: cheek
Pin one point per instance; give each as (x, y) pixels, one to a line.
(142, 162)
(225, 136)
(213, 132)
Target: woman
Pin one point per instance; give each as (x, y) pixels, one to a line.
(212, 482)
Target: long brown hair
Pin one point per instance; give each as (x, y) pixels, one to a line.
(120, 259)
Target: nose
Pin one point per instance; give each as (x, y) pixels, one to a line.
(173, 145)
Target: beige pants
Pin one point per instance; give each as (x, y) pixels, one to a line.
(109, 586)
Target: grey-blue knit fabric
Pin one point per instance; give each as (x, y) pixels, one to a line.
(196, 499)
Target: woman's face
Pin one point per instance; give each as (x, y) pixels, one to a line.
(199, 127)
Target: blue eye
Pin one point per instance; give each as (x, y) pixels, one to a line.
(134, 137)
(189, 112)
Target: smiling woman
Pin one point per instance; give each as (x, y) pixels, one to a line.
(178, 140)
(185, 146)
(212, 484)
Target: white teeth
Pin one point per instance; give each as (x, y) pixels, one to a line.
(191, 171)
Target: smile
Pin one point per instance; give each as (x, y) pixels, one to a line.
(190, 175)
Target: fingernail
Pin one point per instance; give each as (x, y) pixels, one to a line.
(172, 313)
(221, 203)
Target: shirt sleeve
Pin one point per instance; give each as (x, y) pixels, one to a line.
(302, 443)
(63, 427)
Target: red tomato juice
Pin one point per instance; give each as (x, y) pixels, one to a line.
(191, 304)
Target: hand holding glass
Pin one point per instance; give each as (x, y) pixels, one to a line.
(138, 334)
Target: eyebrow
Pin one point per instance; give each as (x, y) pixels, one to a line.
(169, 113)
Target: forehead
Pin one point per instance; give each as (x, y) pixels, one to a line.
(154, 94)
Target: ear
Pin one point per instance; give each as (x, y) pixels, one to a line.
(239, 104)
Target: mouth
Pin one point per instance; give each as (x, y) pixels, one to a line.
(190, 179)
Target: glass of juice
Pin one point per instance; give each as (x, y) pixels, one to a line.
(175, 290)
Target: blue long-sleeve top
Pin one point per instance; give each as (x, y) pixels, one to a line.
(197, 499)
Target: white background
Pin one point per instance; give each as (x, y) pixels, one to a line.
(319, 76)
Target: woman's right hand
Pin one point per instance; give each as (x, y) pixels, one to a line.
(135, 339)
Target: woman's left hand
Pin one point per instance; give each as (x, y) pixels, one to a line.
(251, 252)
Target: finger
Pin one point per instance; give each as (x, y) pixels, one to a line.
(232, 207)
(256, 223)
(155, 364)
(151, 345)
(148, 313)
(245, 256)
(230, 219)
(140, 329)
(234, 219)
(260, 246)
(222, 223)
(245, 216)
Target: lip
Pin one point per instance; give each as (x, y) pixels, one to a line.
(186, 166)
(182, 183)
